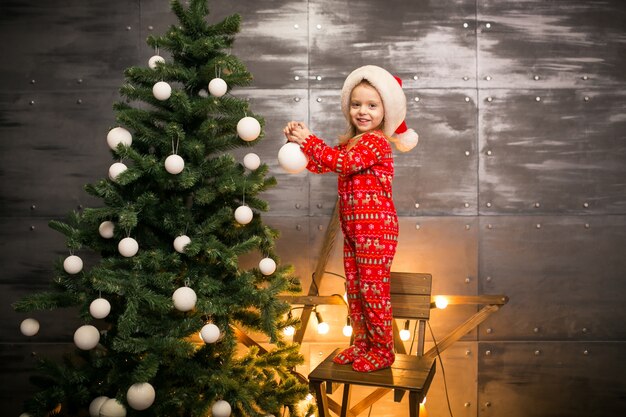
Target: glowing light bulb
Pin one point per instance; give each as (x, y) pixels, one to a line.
(441, 302)
(323, 328)
(347, 330)
(309, 397)
(405, 335)
(289, 331)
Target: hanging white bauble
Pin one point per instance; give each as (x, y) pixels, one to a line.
(73, 264)
(128, 247)
(251, 161)
(174, 164)
(119, 135)
(267, 266)
(152, 62)
(291, 158)
(140, 396)
(99, 308)
(248, 128)
(184, 299)
(96, 404)
(243, 215)
(221, 408)
(29, 327)
(162, 91)
(116, 169)
(112, 408)
(210, 333)
(106, 229)
(217, 87)
(86, 337)
(180, 242)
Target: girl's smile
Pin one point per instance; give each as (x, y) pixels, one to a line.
(366, 108)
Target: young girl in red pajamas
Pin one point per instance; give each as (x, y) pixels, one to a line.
(374, 105)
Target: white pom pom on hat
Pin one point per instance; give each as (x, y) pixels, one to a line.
(394, 102)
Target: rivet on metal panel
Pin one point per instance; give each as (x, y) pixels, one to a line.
(321, 353)
(587, 225)
(417, 205)
(33, 207)
(468, 280)
(487, 404)
(318, 78)
(416, 99)
(79, 207)
(489, 330)
(585, 352)
(297, 77)
(536, 330)
(468, 352)
(537, 98)
(584, 330)
(465, 25)
(467, 227)
(467, 99)
(488, 204)
(467, 153)
(489, 226)
(489, 153)
(536, 78)
(32, 81)
(586, 205)
(489, 99)
(488, 279)
(417, 226)
(319, 99)
(320, 205)
(150, 27)
(537, 205)
(298, 205)
(296, 99)
(466, 205)
(585, 77)
(32, 228)
(467, 404)
(586, 98)
(296, 26)
(128, 28)
(487, 353)
(415, 77)
(32, 102)
(318, 26)
(488, 25)
(488, 78)
(79, 81)
(79, 101)
(538, 225)
(320, 227)
(465, 78)
(537, 352)
(298, 227)
(33, 353)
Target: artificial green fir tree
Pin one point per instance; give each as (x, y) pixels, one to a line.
(169, 248)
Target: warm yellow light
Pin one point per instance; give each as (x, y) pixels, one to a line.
(289, 331)
(347, 330)
(405, 335)
(323, 328)
(441, 302)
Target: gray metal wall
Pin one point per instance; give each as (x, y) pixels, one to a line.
(518, 185)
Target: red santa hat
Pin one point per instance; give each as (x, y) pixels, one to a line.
(394, 102)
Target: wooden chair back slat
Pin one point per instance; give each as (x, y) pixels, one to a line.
(410, 295)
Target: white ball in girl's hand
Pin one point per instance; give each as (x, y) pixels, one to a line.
(99, 308)
(128, 247)
(217, 87)
(291, 158)
(73, 264)
(86, 337)
(116, 169)
(267, 266)
(162, 91)
(251, 161)
(210, 333)
(248, 128)
(29, 327)
(243, 215)
(221, 408)
(119, 135)
(152, 62)
(112, 408)
(140, 395)
(174, 164)
(184, 299)
(106, 229)
(180, 242)
(95, 405)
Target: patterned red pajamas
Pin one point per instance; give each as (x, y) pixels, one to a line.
(370, 227)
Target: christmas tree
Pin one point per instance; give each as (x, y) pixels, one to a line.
(166, 297)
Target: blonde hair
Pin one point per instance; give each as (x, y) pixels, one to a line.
(351, 132)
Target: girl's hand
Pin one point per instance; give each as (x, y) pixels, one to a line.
(296, 132)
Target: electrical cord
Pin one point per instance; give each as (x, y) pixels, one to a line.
(443, 372)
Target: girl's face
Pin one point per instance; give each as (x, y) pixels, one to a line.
(366, 108)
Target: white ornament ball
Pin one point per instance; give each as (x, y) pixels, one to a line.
(267, 266)
(95, 405)
(217, 87)
(29, 327)
(184, 299)
(180, 242)
(128, 247)
(152, 62)
(73, 264)
(112, 408)
(99, 308)
(210, 333)
(248, 128)
(221, 408)
(161, 91)
(174, 164)
(140, 396)
(243, 215)
(291, 158)
(116, 169)
(119, 135)
(86, 337)
(106, 229)
(251, 161)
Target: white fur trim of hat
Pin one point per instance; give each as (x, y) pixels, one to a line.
(394, 102)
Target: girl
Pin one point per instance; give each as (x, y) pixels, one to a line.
(375, 106)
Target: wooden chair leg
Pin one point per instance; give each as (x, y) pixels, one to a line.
(345, 400)
(414, 406)
(322, 400)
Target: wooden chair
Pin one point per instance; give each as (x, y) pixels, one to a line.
(410, 299)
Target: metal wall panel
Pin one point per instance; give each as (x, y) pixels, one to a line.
(551, 379)
(550, 44)
(563, 274)
(552, 151)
